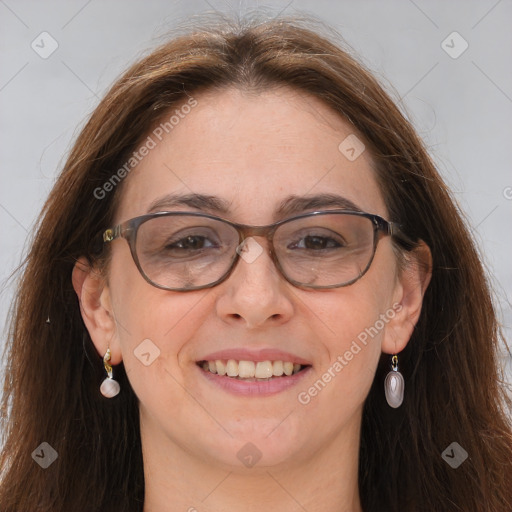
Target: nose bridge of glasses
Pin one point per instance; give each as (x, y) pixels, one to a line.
(247, 232)
(261, 247)
(259, 231)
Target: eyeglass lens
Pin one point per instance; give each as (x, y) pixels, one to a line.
(184, 252)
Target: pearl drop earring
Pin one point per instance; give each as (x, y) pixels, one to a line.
(109, 387)
(394, 385)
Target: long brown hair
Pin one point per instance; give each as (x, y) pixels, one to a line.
(450, 365)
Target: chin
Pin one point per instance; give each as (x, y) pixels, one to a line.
(257, 444)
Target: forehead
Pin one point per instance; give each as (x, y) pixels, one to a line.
(252, 152)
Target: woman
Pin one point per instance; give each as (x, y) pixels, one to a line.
(250, 289)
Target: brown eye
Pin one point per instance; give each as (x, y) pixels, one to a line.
(317, 243)
(191, 242)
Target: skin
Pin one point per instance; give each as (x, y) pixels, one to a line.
(252, 150)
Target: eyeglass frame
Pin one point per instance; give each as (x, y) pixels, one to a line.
(128, 231)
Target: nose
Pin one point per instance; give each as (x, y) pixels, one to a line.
(255, 294)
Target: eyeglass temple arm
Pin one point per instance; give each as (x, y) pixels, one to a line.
(394, 230)
(112, 233)
(98, 241)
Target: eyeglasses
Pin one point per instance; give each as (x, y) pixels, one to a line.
(184, 251)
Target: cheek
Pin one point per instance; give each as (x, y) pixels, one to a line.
(352, 336)
(357, 314)
(351, 322)
(153, 325)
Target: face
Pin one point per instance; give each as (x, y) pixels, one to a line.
(252, 152)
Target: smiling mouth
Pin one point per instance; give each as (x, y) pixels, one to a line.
(251, 371)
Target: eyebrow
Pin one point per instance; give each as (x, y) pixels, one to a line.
(299, 204)
(198, 201)
(291, 205)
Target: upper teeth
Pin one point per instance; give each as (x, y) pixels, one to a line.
(251, 369)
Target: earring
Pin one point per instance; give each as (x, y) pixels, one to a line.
(394, 385)
(109, 387)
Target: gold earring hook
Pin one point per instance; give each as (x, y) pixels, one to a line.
(106, 363)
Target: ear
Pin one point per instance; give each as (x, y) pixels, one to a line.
(412, 282)
(96, 308)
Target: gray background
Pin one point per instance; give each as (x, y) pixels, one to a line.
(460, 106)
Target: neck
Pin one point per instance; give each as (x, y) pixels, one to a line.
(176, 480)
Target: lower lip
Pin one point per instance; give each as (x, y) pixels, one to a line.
(255, 388)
